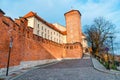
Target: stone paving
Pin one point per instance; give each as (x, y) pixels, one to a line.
(76, 69)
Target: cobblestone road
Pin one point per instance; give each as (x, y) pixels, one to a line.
(68, 70)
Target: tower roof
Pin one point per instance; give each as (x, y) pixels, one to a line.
(73, 11)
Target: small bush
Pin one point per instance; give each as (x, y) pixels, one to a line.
(113, 67)
(106, 64)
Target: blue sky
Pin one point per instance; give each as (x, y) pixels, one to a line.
(53, 10)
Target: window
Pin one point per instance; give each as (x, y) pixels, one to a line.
(45, 35)
(48, 31)
(48, 36)
(38, 26)
(42, 27)
(71, 47)
(45, 30)
(42, 34)
(67, 47)
(38, 32)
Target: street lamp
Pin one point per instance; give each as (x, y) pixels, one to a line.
(111, 37)
(10, 46)
(107, 49)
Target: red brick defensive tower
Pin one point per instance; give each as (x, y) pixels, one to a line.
(73, 24)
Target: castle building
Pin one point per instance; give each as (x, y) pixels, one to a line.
(70, 34)
(44, 29)
(36, 41)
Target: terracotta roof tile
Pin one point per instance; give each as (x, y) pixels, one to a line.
(30, 14)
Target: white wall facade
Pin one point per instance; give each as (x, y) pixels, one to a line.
(41, 29)
(84, 42)
(31, 22)
(60, 27)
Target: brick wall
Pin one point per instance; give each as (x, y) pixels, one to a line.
(73, 25)
(74, 50)
(28, 46)
(9, 28)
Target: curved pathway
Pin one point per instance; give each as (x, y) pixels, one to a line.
(75, 69)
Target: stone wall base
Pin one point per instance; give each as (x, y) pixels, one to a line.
(27, 64)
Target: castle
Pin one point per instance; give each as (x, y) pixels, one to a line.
(36, 41)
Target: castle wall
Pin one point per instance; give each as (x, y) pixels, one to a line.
(6, 30)
(29, 49)
(9, 28)
(74, 50)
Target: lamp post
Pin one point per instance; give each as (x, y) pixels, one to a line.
(107, 49)
(111, 37)
(10, 46)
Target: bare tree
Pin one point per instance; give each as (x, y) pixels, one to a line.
(97, 34)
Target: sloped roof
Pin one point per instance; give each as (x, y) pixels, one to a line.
(73, 11)
(32, 14)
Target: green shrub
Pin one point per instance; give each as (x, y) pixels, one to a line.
(106, 64)
(113, 67)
